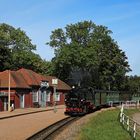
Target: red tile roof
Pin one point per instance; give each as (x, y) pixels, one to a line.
(34, 78)
(31, 77)
(16, 80)
(24, 78)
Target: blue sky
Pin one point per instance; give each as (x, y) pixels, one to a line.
(39, 17)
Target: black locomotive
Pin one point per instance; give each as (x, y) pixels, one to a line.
(79, 101)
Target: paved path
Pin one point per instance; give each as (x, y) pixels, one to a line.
(21, 127)
(136, 117)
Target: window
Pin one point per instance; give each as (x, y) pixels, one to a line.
(48, 98)
(35, 96)
(57, 96)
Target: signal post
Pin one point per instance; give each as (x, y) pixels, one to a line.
(54, 83)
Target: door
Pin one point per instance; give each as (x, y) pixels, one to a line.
(22, 101)
(5, 104)
(43, 98)
(1, 105)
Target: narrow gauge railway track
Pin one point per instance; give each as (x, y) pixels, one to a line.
(51, 131)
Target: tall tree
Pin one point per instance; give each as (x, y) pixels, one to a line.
(132, 83)
(88, 48)
(19, 44)
(16, 39)
(5, 61)
(17, 51)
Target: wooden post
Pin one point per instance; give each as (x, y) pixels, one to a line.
(138, 103)
(54, 95)
(134, 130)
(9, 78)
(120, 117)
(54, 83)
(127, 123)
(121, 113)
(123, 117)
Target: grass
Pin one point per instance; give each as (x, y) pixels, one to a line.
(105, 126)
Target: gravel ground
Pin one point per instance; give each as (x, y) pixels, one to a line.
(71, 132)
(136, 117)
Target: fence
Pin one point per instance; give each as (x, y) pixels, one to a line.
(126, 104)
(129, 124)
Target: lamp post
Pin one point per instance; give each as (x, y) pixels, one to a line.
(9, 85)
(54, 83)
(9, 77)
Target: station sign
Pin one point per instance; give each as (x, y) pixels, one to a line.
(54, 81)
(44, 84)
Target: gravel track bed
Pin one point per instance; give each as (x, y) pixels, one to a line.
(71, 132)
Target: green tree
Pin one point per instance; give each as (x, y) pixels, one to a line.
(16, 39)
(30, 60)
(113, 64)
(17, 51)
(18, 43)
(86, 48)
(132, 84)
(5, 61)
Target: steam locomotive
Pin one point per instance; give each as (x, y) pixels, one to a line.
(79, 101)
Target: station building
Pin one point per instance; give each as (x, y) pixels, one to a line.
(30, 89)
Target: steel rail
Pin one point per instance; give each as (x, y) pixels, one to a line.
(50, 132)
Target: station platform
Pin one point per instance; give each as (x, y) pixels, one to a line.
(25, 111)
(20, 124)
